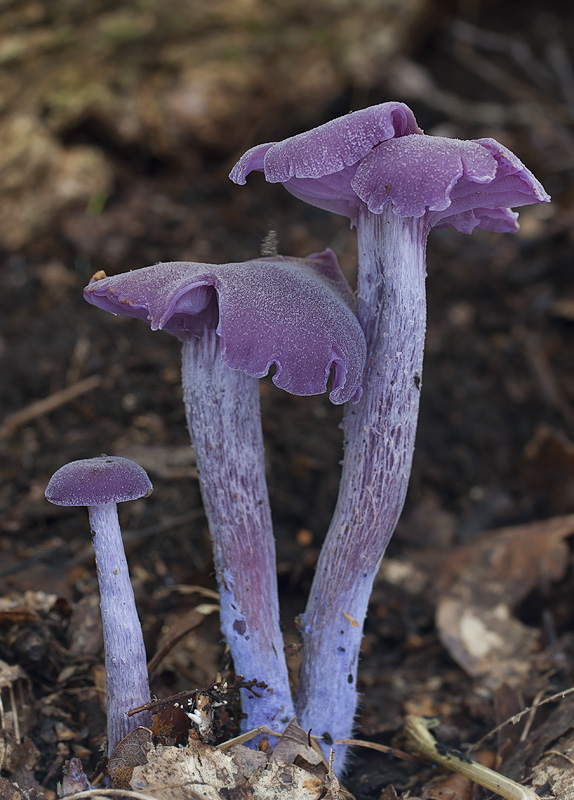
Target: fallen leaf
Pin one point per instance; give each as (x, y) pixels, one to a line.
(487, 643)
(202, 771)
(130, 752)
(483, 582)
(294, 745)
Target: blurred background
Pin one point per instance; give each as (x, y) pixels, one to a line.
(119, 123)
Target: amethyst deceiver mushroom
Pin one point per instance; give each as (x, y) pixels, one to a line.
(395, 184)
(99, 484)
(235, 321)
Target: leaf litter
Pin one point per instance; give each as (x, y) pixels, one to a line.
(501, 664)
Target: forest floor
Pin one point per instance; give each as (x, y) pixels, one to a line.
(472, 615)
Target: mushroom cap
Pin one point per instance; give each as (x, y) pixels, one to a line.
(467, 184)
(318, 165)
(343, 167)
(294, 313)
(98, 481)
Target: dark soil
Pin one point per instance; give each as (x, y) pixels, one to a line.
(495, 445)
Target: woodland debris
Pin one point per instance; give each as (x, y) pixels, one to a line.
(422, 743)
(483, 582)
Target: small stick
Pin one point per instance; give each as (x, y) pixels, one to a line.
(381, 748)
(247, 736)
(40, 408)
(264, 730)
(422, 743)
(517, 717)
(110, 793)
(14, 714)
(530, 718)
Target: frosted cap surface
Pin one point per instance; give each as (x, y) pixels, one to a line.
(295, 313)
(97, 481)
(378, 156)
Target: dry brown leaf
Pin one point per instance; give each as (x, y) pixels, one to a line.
(200, 770)
(487, 643)
(294, 747)
(483, 582)
(131, 752)
(521, 556)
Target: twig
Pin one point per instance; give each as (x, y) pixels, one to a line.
(40, 408)
(422, 743)
(381, 748)
(517, 717)
(247, 736)
(558, 753)
(530, 719)
(110, 793)
(14, 708)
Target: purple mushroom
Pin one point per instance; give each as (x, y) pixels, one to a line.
(235, 321)
(395, 184)
(100, 483)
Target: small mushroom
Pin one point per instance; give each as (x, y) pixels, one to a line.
(395, 184)
(235, 321)
(100, 483)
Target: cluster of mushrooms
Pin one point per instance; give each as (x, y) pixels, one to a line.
(236, 321)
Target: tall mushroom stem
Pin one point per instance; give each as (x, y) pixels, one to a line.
(125, 657)
(379, 435)
(222, 408)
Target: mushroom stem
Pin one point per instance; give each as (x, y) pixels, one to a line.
(223, 415)
(125, 658)
(379, 435)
